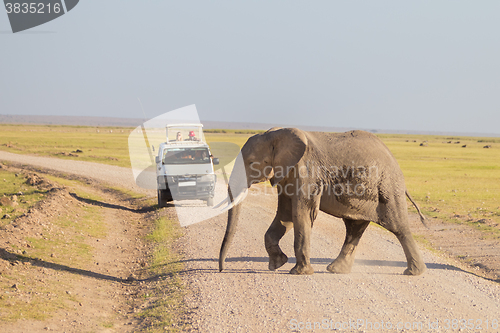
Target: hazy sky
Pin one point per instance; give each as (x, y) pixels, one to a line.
(400, 65)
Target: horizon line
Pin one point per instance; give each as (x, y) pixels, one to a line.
(110, 121)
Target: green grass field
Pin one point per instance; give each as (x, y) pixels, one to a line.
(455, 183)
(108, 145)
(448, 181)
(104, 145)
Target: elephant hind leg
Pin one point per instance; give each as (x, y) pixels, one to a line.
(416, 265)
(345, 260)
(394, 217)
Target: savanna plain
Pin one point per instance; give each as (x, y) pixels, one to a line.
(87, 255)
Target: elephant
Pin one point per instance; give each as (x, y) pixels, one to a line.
(351, 175)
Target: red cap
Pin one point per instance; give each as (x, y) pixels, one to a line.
(191, 133)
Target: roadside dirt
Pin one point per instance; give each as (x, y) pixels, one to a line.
(466, 247)
(95, 295)
(247, 297)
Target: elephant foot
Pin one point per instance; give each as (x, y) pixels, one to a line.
(415, 269)
(277, 261)
(302, 270)
(339, 267)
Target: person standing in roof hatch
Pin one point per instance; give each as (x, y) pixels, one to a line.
(192, 136)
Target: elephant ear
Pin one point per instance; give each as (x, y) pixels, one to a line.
(289, 145)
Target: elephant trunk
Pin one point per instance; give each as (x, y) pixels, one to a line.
(236, 192)
(232, 219)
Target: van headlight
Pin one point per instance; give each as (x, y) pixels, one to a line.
(207, 178)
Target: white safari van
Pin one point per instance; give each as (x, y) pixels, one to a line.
(185, 166)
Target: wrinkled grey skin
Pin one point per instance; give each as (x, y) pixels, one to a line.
(378, 194)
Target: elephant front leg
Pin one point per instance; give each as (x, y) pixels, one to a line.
(301, 246)
(273, 235)
(282, 223)
(302, 224)
(354, 231)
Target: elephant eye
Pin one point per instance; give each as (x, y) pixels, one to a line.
(254, 164)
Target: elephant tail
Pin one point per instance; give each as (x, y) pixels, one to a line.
(422, 218)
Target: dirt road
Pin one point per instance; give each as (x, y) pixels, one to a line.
(246, 297)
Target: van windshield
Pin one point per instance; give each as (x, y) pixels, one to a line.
(186, 156)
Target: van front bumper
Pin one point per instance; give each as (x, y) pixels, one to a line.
(188, 187)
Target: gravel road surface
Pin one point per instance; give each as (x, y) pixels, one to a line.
(246, 297)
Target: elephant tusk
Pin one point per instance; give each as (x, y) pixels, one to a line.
(221, 203)
(236, 201)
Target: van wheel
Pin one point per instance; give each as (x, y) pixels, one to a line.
(168, 195)
(210, 202)
(162, 198)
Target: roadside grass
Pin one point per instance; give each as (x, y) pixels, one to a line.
(450, 182)
(165, 298)
(87, 213)
(72, 183)
(13, 184)
(128, 193)
(62, 240)
(63, 181)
